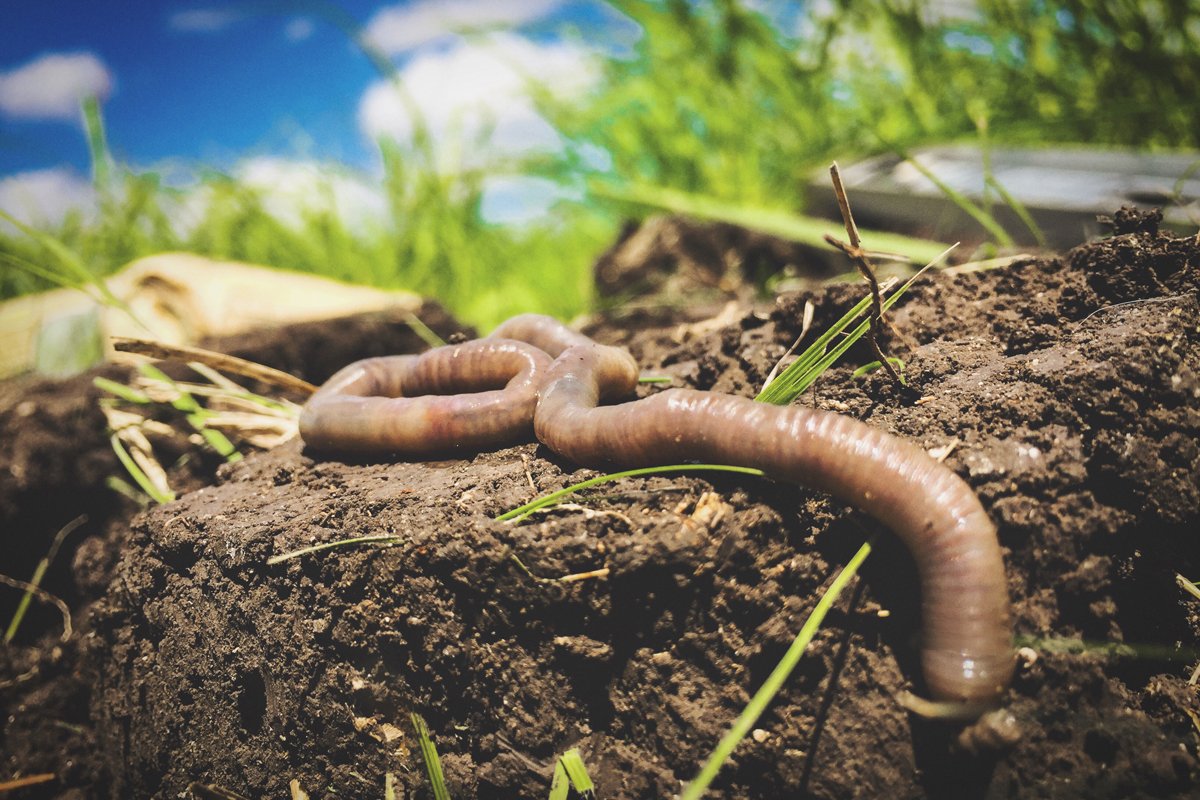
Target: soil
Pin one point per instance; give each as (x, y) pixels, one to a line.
(1068, 386)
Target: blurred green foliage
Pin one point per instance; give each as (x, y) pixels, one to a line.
(717, 99)
(713, 97)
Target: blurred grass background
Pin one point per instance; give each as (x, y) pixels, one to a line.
(713, 98)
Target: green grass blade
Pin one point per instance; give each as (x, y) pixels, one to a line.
(552, 498)
(1019, 209)
(572, 764)
(798, 228)
(135, 472)
(989, 223)
(871, 366)
(433, 764)
(126, 393)
(93, 123)
(426, 334)
(39, 573)
(127, 490)
(560, 785)
(45, 273)
(194, 413)
(774, 682)
(72, 263)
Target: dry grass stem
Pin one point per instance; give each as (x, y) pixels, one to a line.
(221, 361)
(28, 780)
(809, 311)
(45, 597)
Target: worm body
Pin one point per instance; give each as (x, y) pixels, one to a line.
(470, 396)
(967, 657)
(966, 652)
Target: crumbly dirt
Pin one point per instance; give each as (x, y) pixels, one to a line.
(1068, 387)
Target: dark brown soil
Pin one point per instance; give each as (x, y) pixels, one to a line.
(1070, 385)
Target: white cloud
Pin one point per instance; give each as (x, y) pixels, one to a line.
(292, 189)
(45, 197)
(203, 20)
(518, 200)
(299, 29)
(398, 29)
(51, 86)
(476, 84)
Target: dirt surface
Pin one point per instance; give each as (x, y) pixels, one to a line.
(1069, 388)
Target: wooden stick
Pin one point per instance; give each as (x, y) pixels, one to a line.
(859, 256)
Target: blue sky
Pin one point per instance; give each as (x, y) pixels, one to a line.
(226, 85)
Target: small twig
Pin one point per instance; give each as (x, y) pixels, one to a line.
(859, 256)
(528, 473)
(238, 366)
(28, 780)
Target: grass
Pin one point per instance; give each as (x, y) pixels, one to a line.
(256, 420)
(570, 773)
(715, 108)
(429, 754)
(829, 347)
(39, 572)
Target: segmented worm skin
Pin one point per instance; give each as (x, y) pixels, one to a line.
(967, 655)
(471, 396)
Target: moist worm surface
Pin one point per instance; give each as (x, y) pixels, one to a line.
(535, 375)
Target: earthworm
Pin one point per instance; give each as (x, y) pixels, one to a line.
(469, 396)
(967, 657)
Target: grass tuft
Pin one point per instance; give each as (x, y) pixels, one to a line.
(429, 754)
(256, 420)
(821, 354)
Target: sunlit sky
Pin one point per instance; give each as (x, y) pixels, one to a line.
(264, 90)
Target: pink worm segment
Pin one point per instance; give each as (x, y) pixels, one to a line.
(403, 404)
(967, 655)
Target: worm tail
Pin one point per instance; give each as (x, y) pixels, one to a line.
(966, 650)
